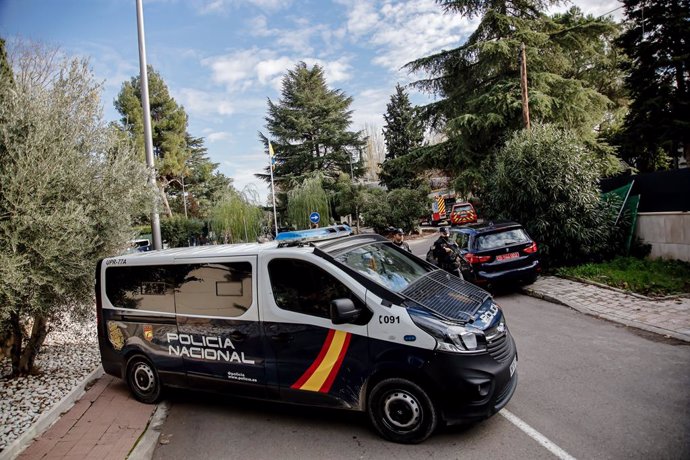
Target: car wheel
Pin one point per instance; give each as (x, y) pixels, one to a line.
(143, 380)
(401, 411)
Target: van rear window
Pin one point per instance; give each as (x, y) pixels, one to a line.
(141, 287)
(501, 239)
(219, 290)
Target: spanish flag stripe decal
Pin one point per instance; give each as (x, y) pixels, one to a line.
(322, 354)
(331, 377)
(322, 372)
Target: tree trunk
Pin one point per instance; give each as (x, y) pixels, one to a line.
(39, 331)
(164, 196)
(16, 350)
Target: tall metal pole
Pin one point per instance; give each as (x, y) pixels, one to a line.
(271, 155)
(523, 86)
(148, 142)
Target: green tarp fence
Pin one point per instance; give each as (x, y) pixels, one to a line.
(628, 207)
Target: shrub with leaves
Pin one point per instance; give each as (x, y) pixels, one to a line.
(308, 197)
(546, 179)
(235, 219)
(180, 231)
(69, 188)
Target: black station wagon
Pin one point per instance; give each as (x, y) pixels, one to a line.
(493, 253)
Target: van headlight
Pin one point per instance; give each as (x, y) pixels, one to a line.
(450, 337)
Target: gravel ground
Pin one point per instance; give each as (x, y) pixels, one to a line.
(68, 355)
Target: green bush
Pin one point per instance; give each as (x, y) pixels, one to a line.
(375, 208)
(546, 179)
(405, 206)
(178, 231)
(398, 208)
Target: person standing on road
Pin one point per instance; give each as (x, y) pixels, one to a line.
(398, 240)
(444, 253)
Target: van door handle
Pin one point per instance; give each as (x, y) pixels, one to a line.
(237, 336)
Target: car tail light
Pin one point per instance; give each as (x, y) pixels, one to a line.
(475, 259)
(531, 249)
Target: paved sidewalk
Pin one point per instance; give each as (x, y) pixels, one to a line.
(104, 424)
(667, 317)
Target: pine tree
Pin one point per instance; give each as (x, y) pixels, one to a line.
(180, 158)
(308, 128)
(478, 83)
(403, 132)
(657, 41)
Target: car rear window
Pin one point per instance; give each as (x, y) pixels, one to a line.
(466, 207)
(501, 239)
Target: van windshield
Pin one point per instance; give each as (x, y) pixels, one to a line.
(384, 265)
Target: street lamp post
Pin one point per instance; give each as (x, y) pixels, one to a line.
(148, 142)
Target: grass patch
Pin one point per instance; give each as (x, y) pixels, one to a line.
(657, 277)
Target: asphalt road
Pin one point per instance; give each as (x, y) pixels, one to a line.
(588, 389)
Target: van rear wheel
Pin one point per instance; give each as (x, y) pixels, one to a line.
(401, 411)
(143, 380)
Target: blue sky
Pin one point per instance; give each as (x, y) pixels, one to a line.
(222, 59)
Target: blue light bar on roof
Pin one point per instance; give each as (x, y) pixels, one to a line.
(314, 234)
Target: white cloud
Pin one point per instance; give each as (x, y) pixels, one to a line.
(205, 104)
(402, 32)
(225, 6)
(596, 7)
(218, 136)
(368, 107)
(241, 70)
(334, 71)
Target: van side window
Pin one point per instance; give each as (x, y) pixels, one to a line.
(222, 289)
(141, 287)
(303, 287)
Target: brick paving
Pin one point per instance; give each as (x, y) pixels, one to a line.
(104, 424)
(670, 317)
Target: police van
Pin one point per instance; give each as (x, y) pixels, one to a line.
(315, 317)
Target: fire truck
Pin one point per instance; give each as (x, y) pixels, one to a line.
(441, 203)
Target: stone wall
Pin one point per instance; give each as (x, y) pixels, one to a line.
(667, 232)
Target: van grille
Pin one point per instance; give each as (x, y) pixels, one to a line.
(500, 348)
(446, 295)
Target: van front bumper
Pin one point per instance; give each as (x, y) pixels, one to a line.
(473, 387)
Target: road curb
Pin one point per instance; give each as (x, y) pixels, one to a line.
(616, 319)
(146, 445)
(51, 416)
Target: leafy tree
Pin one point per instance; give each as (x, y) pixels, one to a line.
(406, 206)
(68, 191)
(478, 83)
(234, 218)
(180, 158)
(347, 197)
(546, 179)
(201, 181)
(657, 42)
(305, 198)
(308, 128)
(375, 209)
(401, 207)
(403, 132)
(179, 231)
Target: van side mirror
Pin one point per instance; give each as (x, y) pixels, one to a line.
(343, 311)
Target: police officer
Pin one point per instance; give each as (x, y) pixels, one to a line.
(398, 236)
(444, 253)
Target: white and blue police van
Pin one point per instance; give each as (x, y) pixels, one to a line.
(313, 318)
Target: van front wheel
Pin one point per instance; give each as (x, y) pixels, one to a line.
(142, 380)
(401, 411)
